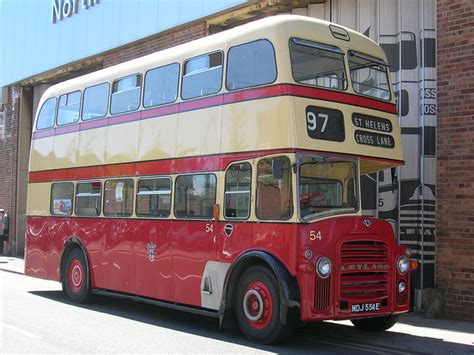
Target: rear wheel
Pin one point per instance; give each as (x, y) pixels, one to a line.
(258, 306)
(375, 324)
(76, 283)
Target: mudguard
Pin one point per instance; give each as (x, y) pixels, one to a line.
(71, 242)
(289, 290)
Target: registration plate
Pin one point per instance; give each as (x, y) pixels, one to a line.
(366, 307)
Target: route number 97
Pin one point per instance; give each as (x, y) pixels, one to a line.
(325, 124)
(313, 122)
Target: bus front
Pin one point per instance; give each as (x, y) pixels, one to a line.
(350, 266)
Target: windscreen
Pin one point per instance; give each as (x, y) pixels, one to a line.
(327, 185)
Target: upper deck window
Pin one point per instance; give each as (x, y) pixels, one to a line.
(68, 108)
(95, 101)
(161, 85)
(317, 64)
(251, 64)
(47, 113)
(369, 76)
(126, 94)
(202, 76)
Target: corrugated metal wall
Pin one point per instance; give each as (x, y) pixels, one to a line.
(406, 29)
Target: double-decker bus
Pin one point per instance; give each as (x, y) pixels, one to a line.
(222, 177)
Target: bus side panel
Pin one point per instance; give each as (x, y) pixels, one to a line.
(279, 240)
(152, 256)
(231, 245)
(60, 229)
(118, 255)
(45, 238)
(257, 125)
(199, 131)
(36, 247)
(91, 147)
(194, 244)
(64, 150)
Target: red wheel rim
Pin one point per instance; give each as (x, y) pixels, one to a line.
(75, 276)
(258, 305)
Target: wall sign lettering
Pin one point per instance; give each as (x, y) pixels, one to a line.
(60, 9)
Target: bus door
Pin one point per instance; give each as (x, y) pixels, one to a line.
(152, 244)
(193, 234)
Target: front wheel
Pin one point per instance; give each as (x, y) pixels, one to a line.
(76, 283)
(375, 324)
(258, 306)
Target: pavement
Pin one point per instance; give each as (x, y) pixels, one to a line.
(11, 264)
(452, 331)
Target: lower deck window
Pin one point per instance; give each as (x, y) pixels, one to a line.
(62, 198)
(88, 198)
(118, 197)
(154, 197)
(195, 196)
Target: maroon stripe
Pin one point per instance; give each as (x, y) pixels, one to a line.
(227, 98)
(165, 166)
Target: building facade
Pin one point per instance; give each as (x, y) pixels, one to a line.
(428, 45)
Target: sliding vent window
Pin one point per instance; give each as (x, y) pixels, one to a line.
(237, 191)
(61, 198)
(161, 85)
(68, 108)
(88, 198)
(47, 113)
(369, 76)
(126, 94)
(251, 64)
(95, 101)
(118, 198)
(195, 196)
(317, 64)
(154, 197)
(202, 76)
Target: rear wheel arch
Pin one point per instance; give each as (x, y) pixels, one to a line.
(288, 286)
(70, 244)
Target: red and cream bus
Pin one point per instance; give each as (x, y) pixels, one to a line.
(222, 177)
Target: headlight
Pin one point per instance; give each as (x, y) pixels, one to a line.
(323, 267)
(403, 264)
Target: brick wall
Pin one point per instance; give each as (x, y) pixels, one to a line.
(455, 195)
(153, 44)
(9, 158)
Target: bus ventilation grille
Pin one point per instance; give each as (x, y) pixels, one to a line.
(364, 270)
(321, 294)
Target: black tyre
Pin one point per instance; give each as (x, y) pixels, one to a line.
(375, 324)
(257, 307)
(76, 282)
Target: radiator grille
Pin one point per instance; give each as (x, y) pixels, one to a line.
(364, 251)
(363, 281)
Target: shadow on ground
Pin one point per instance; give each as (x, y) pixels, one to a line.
(321, 337)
